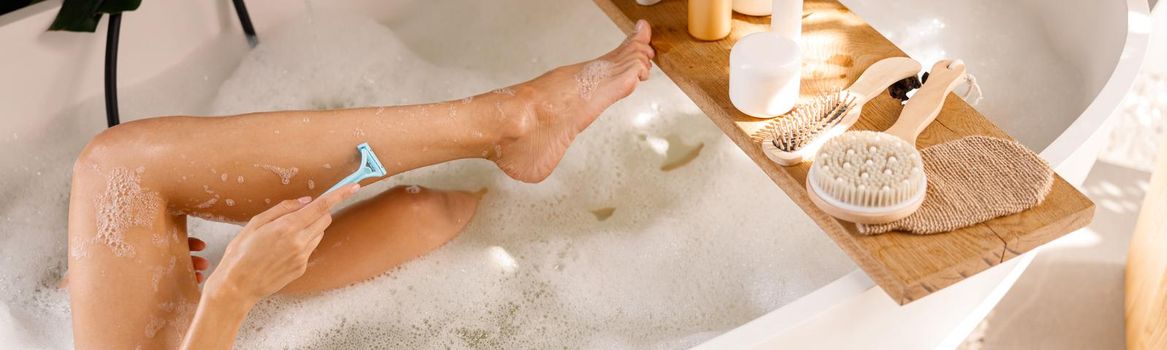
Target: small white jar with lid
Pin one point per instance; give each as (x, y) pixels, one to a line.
(764, 74)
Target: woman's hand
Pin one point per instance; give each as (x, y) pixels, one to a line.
(273, 248)
(271, 251)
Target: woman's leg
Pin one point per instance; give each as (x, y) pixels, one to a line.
(376, 235)
(131, 282)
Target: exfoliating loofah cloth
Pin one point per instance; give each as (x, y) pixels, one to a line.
(973, 180)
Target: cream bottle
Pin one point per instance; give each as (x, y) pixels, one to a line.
(710, 19)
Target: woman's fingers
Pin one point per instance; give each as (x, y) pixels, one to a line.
(315, 232)
(320, 207)
(195, 244)
(279, 210)
(200, 263)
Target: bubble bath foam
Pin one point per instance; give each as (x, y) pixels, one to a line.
(677, 257)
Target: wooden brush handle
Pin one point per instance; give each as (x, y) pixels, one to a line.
(882, 74)
(925, 105)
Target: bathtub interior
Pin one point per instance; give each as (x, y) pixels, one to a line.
(685, 255)
(1039, 63)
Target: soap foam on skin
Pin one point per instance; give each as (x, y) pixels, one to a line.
(590, 77)
(159, 272)
(123, 206)
(285, 174)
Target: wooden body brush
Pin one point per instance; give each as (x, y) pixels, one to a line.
(791, 139)
(871, 177)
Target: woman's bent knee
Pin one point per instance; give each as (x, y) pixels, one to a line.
(440, 214)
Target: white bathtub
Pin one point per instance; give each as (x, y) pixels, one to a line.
(1069, 129)
(1053, 73)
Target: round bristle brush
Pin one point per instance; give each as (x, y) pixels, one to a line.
(871, 177)
(790, 139)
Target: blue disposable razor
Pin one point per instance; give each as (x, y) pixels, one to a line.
(370, 167)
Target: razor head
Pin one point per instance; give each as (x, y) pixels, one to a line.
(369, 162)
(370, 167)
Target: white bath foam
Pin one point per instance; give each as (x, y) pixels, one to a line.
(296, 68)
(686, 254)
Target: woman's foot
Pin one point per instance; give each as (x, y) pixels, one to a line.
(563, 102)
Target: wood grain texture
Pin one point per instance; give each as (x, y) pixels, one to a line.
(1146, 270)
(837, 46)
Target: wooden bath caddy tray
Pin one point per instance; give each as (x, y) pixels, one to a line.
(837, 47)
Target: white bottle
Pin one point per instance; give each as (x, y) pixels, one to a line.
(786, 19)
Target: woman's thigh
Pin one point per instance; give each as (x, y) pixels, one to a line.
(131, 281)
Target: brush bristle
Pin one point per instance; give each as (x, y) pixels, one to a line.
(868, 169)
(798, 128)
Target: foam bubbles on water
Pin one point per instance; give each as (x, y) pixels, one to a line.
(295, 69)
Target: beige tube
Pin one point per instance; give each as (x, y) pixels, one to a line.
(710, 19)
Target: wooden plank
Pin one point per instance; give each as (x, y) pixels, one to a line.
(837, 46)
